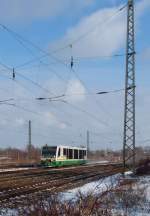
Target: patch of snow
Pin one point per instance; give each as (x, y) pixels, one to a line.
(95, 187)
(15, 169)
(98, 162)
(128, 173)
(9, 212)
(144, 181)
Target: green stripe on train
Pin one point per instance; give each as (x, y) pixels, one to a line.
(63, 163)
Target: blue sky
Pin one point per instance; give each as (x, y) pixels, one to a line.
(53, 25)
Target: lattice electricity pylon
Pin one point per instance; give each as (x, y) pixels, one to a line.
(129, 113)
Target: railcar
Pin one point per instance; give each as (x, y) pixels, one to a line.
(57, 156)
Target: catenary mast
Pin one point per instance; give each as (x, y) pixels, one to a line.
(129, 111)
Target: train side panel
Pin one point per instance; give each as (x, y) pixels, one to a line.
(61, 163)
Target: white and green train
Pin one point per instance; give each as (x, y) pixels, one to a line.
(57, 156)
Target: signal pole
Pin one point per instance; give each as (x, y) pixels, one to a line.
(30, 143)
(129, 110)
(88, 141)
(29, 132)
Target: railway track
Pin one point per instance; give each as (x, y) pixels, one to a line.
(6, 175)
(17, 188)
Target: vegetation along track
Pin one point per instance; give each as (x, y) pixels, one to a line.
(17, 187)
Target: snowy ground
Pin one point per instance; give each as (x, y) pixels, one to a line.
(105, 184)
(95, 187)
(142, 189)
(15, 169)
(98, 187)
(145, 181)
(98, 162)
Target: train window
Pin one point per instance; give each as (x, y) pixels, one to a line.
(80, 154)
(70, 153)
(75, 154)
(49, 151)
(64, 152)
(67, 153)
(58, 152)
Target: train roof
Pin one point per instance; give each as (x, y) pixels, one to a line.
(68, 147)
(73, 147)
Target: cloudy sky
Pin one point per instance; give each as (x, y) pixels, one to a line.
(37, 39)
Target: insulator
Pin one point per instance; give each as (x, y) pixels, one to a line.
(72, 63)
(14, 75)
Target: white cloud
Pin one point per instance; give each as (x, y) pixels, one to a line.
(100, 37)
(100, 33)
(75, 91)
(49, 119)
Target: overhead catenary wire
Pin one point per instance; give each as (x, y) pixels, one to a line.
(27, 110)
(33, 133)
(17, 82)
(78, 94)
(49, 91)
(18, 36)
(78, 108)
(24, 77)
(53, 57)
(31, 111)
(23, 108)
(98, 24)
(84, 111)
(91, 115)
(32, 99)
(67, 123)
(19, 40)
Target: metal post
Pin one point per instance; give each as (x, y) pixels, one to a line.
(129, 112)
(30, 143)
(88, 142)
(29, 132)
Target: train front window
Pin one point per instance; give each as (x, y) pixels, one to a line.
(49, 151)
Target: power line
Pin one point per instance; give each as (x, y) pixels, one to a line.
(18, 36)
(17, 82)
(22, 108)
(31, 111)
(80, 94)
(45, 52)
(84, 58)
(33, 133)
(6, 100)
(44, 88)
(28, 89)
(49, 54)
(99, 23)
(86, 112)
(26, 78)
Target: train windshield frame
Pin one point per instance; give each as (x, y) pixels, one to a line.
(49, 151)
